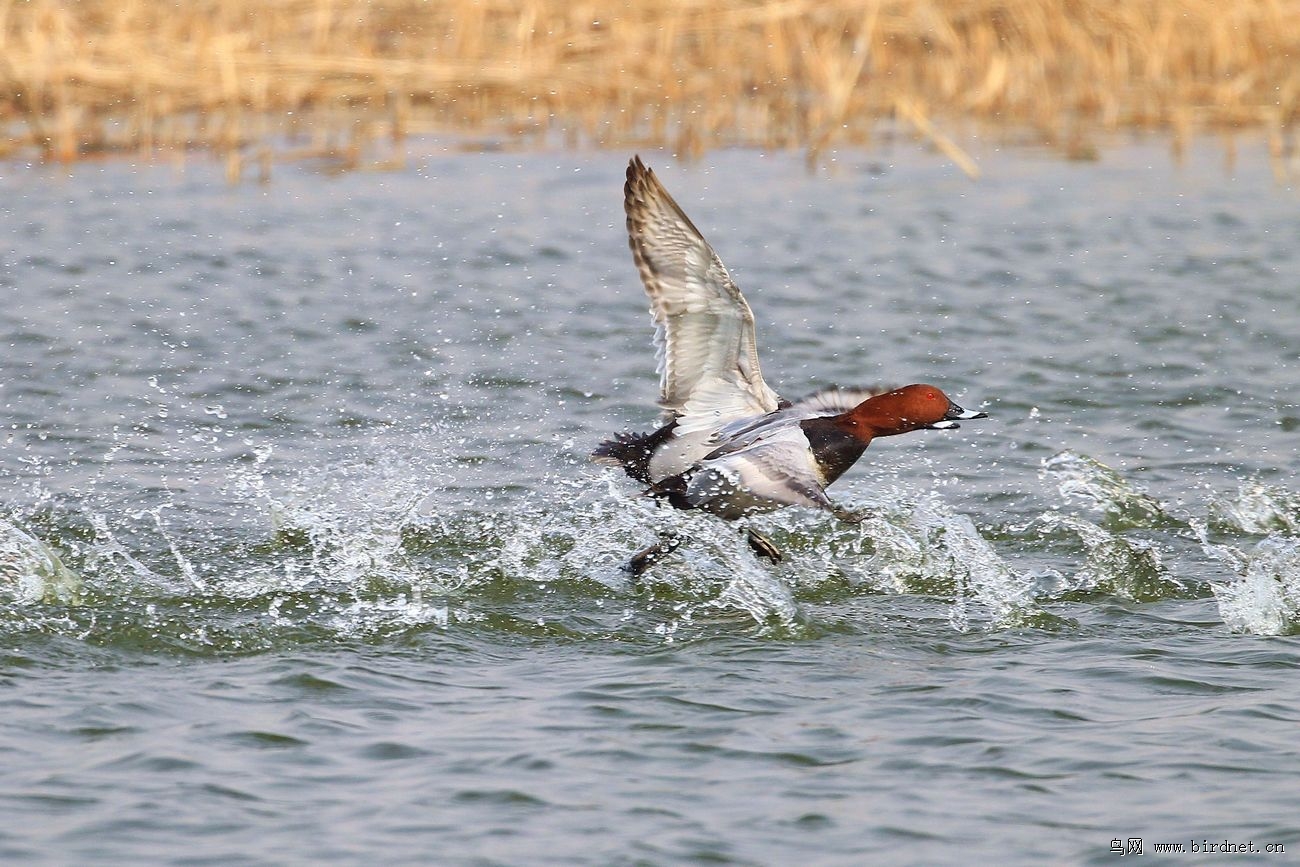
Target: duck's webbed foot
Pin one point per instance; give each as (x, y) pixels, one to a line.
(763, 546)
(647, 557)
(850, 516)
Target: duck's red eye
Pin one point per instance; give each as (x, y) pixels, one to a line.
(930, 395)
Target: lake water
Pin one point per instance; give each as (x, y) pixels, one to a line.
(302, 560)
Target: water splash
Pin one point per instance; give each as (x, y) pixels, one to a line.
(601, 527)
(337, 528)
(1083, 478)
(377, 531)
(927, 548)
(1257, 508)
(31, 571)
(377, 618)
(107, 550)
(1265, 600)
(384, 540)
(760, 594)
(1121, 566)
(586, 539)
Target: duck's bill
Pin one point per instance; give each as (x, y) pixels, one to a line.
(955, 413)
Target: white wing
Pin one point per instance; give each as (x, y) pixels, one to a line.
(704, 335)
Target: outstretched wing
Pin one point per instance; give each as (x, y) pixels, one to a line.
(704, 335)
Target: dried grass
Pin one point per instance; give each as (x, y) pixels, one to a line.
(80, 78)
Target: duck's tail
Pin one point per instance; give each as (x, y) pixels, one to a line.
(631, 451)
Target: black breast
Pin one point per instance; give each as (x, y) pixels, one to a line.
(835, 449)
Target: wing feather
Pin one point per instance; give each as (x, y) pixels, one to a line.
(770, 473)
(829, 401)
(704, 335)
(833, 401)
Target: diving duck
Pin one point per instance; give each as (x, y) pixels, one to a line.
(727, 444)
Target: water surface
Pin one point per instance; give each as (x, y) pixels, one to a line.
(302, 561)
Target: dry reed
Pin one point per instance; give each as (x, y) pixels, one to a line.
(243, 76)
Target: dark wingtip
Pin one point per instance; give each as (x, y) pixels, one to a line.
(638, 181)
(636, 169)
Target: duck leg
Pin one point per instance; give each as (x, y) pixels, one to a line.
(648, 556)
(849, 516)
(762, 545)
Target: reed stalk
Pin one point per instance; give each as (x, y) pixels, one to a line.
(245, 77)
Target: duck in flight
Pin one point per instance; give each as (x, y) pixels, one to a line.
(727, 444)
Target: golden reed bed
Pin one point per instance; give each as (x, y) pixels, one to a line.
(242, 77)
